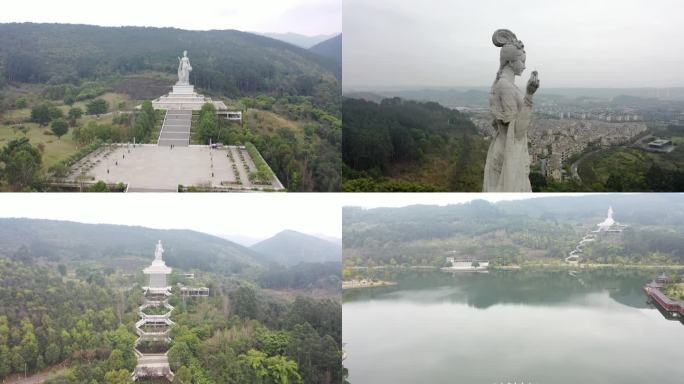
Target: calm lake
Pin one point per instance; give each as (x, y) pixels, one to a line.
(511, 326)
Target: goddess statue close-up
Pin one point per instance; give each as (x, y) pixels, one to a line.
(184, 69)
(508, 164)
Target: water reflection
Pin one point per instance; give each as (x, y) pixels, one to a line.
(507, 326)
(530, 287)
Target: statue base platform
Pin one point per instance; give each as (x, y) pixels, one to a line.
(183, 89)
(184, 97)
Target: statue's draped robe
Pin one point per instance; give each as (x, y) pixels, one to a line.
(508, 161)
(184, 69)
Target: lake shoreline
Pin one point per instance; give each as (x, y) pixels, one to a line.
(355, 284)
(533, 266)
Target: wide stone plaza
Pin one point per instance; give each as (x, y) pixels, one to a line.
(172, 161)
(155, 168)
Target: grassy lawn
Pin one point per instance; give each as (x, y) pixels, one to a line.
(268, 122)
(55, 150)
(113, 99)
(18, 115)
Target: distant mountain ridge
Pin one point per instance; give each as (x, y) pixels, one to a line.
(331, 48)
(644, 208)
(227, 61)
(479, 96)
(449, 98)
(297, 39)
(291, 247)
(70, 241)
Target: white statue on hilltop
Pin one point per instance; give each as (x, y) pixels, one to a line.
(184, 69)
(608, 222)
(158, 251)
(508, 163)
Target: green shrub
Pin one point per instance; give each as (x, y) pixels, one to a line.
(264, 174)
(90, 90)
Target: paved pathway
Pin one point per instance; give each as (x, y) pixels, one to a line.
(151, 168)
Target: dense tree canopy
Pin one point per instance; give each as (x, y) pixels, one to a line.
(47, 320)
(229, 62)
(77, 309)
(423, 137)
(534, 230)
(22, 163)
(97, 107)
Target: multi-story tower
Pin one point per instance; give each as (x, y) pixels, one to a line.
(154, 326)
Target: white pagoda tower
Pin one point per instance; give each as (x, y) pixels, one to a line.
(154, 327)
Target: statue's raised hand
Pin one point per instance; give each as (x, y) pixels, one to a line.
(533, 83)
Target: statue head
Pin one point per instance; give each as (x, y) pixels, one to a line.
(512, 50)
(185, 53)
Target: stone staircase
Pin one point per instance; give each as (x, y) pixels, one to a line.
(176, 128)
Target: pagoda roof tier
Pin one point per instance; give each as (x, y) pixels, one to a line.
(157, 291)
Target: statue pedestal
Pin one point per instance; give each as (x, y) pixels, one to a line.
(184, 97)
(183, 89)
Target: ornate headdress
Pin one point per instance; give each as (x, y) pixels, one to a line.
(511, 47)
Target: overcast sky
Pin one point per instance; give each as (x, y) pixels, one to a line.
(580, 43)
(248, 215)
(307, 17)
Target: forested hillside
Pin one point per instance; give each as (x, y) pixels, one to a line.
(292, 247)
(229, 62)
(238, 335)
(66, 89)
(516, 232)
(69, 297)
(406, 145)
(331, 48)
(69, 242)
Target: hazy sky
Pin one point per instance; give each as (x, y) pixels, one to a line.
(580, 43)
(251, 215)
(307, 17)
